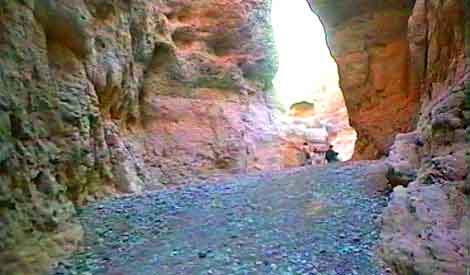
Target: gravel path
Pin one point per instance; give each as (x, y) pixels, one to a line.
(305, 221)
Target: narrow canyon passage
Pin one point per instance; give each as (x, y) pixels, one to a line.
(104, 98)
(302, 221)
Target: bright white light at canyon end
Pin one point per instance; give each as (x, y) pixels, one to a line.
(306, 67)
(307, 72)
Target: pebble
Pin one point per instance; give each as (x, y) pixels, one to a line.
(202, 255)
(243, 220)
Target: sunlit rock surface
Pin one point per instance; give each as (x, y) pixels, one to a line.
(302, 109)
(319, 125)
(335, 116)
(98, 96)
(373, 61)
(402, 67)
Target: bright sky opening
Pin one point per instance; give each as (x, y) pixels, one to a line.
(306, 69)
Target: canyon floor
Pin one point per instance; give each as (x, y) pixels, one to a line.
(312, 220)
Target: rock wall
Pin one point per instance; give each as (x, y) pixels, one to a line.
(426, 227)
(403, 70)
(373, 61)
(99, 96)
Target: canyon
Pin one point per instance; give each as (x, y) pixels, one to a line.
(104, 97)
(406, 88)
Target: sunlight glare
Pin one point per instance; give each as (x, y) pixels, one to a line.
(308, 72)
(306, 67)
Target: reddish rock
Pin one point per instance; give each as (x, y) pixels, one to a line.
(402, 67)
(203, 107)
(340, 133)
(372, 57)
(426, 226)
(302, 109)
(100, 96)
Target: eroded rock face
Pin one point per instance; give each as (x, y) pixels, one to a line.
(204, 109)
(373, 60)
(98, 96)
(427, 225)
(393, 74)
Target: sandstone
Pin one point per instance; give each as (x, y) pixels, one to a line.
(424, 49)
(125, 96)
(403, 159)
(372, 57)
(423, 233)
(100, 97)
(302, 109)
(426, 224)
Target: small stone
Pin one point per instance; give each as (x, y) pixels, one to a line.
(202, 255)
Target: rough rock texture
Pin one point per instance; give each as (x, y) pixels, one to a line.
(426, 228)
(410, 74)
(373, 61)
(102, 95)
(98, 96)
(404, 160)
(203, 107)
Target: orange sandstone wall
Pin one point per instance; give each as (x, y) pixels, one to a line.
(98, 96)
(368, 40)
(403, 74)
